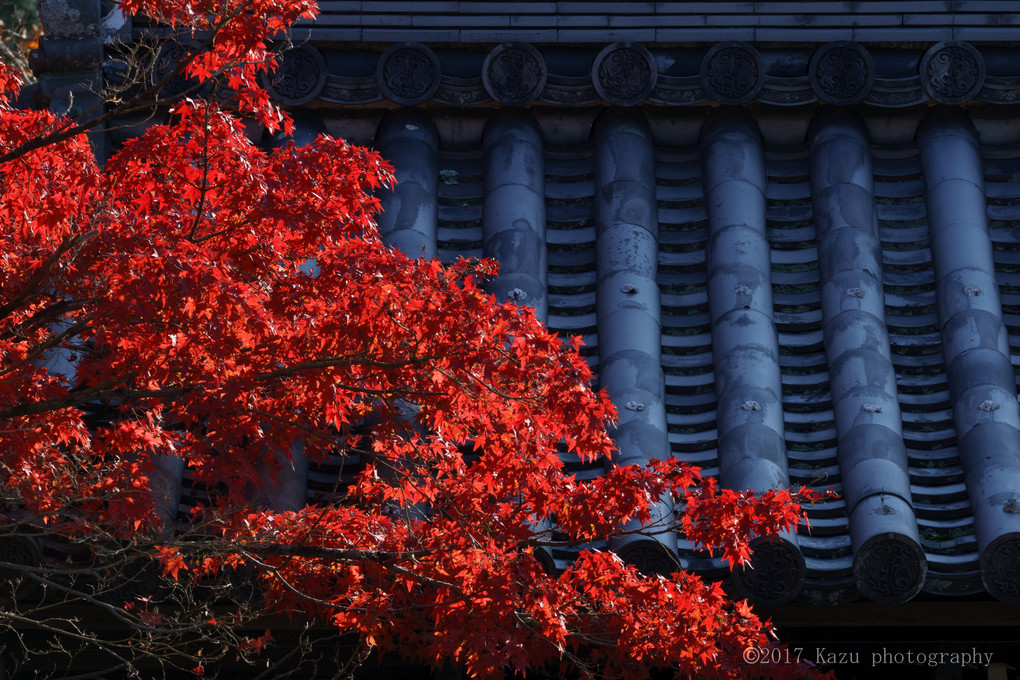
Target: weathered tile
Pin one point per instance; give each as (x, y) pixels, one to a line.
(980, 33)
(460, 20)
(477, 35)
(582, 21)
(984, 6)
(876, 6)
(544, 35)
(339, 6)
(927, 20)
(606, 7)
(996, 19)
(871, 34)
(807, 34)
(605, 35)
(807, 7)
(679, 21)
(376, 20)
(326, 34)
(409, 6)
(790, 20)
(532, 20)
(398, 35)
(511, 8)
(631, 21)
(731, 21)
(879, 20)
(704, 34)
(704, 7)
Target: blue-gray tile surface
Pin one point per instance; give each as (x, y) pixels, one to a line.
(602, 20)
(769, 286)
(839, 306)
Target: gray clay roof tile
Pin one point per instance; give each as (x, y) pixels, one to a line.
(878, 358)
(779, 300)
(807, 22)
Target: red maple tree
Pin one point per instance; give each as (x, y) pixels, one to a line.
(201, 302)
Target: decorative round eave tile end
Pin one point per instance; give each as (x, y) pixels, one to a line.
(650, 557)
(299, 76)
(952, 72)
(1000, 568)
(624, 74)
(732, 73)
(776, 573)
(168, 59)
(514, 74)
(408, 74)
(890, 568)
(842, 73)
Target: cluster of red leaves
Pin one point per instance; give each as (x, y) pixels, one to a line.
(447, 588)
(228, 302)
(233, 40)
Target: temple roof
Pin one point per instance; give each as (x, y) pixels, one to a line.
(494, 21)
(790, 263)
(822, 296)
(627, 74)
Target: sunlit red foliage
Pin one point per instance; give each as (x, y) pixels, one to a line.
(225, 302)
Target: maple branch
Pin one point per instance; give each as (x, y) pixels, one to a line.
(44, 316)
(282, 662)
(219, 352)
(275, 571)
(8, 56)
(336, 362)
(101, 673)
(116, 612)
(286, 584)
(143, 101)
(103, 391)
(502, 395)
(199, 209)
(73, 634)
(359, 657)
(43, 271)
(76, 398)
(306, 429)
(32, 570)
(50, 342)
(304, 550)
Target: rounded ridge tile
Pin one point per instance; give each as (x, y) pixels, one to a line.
(514, 74)
(776, 573)
(890, 568)
(733, 73)
(408, 73)
(624, 74)
(299, 76)
(842, 72)
(952, 72)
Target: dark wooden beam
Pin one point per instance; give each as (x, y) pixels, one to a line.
(970, 613)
